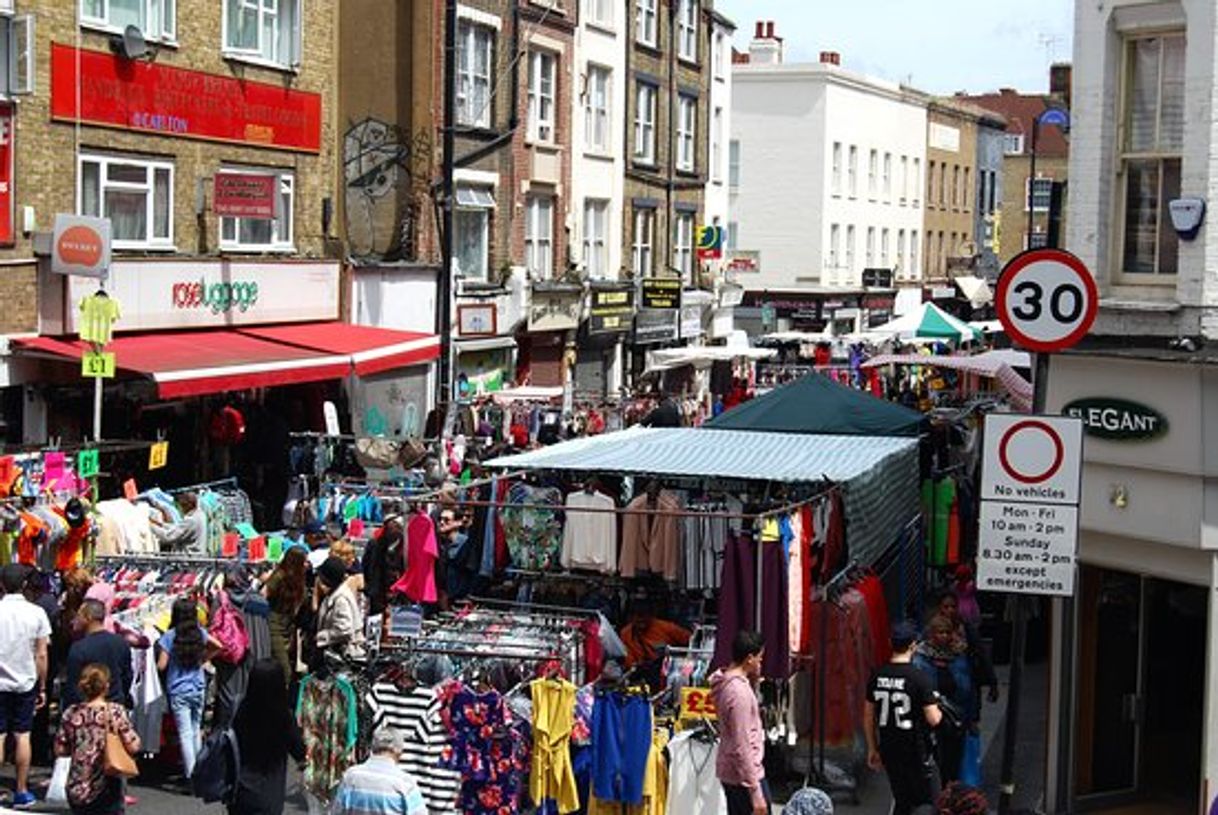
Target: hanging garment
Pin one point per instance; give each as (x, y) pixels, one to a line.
(327, 713)
(651, 540)
(693, 787)
(415, 713)
(589, 539)
(774, 612)
(534, 535)
(621, 738)
(655, 785)
(551, 776)
(97, 315)
(489, 751)
(418, 582)
(737, 595)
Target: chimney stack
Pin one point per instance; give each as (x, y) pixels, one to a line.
(766, 47)
(1060, 80)
(830, 58)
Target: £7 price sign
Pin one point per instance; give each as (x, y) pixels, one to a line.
(697, 703)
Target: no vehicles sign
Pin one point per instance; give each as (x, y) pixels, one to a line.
(1028, 522)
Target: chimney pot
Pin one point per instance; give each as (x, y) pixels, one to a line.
(769, 29)
(760, 30)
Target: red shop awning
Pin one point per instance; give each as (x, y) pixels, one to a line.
(194, 363)
(371, 350)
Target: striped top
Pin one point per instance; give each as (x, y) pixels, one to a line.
(415, 713)
(378, 787)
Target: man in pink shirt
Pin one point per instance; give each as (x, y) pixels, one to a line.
(741, 738)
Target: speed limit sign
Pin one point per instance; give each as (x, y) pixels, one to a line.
(1046, 300)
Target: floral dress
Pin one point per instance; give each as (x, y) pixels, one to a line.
(488, 747)
(82, 735)
(534, 536)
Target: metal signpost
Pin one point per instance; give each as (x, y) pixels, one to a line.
(1047, 301)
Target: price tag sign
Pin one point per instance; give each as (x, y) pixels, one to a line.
(158, 455)
(130, 491)
(97, 365)
(87, 464)
(697, 703)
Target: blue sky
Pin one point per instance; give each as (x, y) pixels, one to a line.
(942, 45)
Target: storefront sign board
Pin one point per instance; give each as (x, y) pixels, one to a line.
(691, 322)
(7, 131)
(611, 311)
(655, 325)
(555, 311)
(661, 293)
(1117, 419)
(80, 245)
(244, 195)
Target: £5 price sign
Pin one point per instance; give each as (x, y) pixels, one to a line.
(697, 703)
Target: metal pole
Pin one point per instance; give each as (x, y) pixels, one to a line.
(1019, 633)
(97, 408)
(1032, 183)
(444, 389)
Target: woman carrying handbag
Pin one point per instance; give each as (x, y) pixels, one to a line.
(98, 737)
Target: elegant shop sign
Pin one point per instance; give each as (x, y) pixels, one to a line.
(154, 97)
(160, 294)
(1117, 419)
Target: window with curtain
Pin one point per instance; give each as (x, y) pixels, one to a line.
(472, 231)
(541, 96)
(683, 246)
(263, 234)
(263, 30)
(596, 109)
(539, 236)
(645, 123)
(596, 235)
(475, 49)
(1150, 159)
(687, 123)
(135, 194)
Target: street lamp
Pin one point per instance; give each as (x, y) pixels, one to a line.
(1060, 118)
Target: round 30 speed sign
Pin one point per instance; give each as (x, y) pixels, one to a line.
(1046, 300)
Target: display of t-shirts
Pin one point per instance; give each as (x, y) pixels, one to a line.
(487, 747)
(589, 539)
(415, 713)
(551, 776)
(621, 740)
(418, 582)
(693, 788)
(651, 537)
(534, 535)
(97, 315)
(328, 718)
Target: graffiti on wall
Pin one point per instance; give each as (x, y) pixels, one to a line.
(387, 175)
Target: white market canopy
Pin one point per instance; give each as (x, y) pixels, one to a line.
(703, 356)
(997, 365)
(927, 321)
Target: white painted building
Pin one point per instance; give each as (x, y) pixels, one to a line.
(1134, 686)
(810, 143)
(720, 119)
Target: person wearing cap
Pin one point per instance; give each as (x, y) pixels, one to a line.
(24, 634)
(900, 709)
(340, 621)
(379, 786)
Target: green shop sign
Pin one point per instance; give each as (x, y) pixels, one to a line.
(1117, 419)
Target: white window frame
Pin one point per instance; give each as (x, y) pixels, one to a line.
(917, 182)
(835, 240)
(646, 22)
(687, 130)
(1012, 144)
(913, 253)
(904, 199)
(687, 30)
(717, 58)
(683, 245)
(598, 97)
(285, 186)
(884, 245)
(257, 54)
(475, 201)
(852, 172)
(158, 21)
(900, 265)
(870, 256)
(717, 146)
(1042, 189)
(888, 178)
(151, 166)
(473, 37)
(645, 122)
(850, 250)
(543, 104)
(599, 13)
(835, 185)
(19, 66)
(733, 163)
(1160, 154)
(873, 171)
(539, 236)
(642, 242)
(596, 238)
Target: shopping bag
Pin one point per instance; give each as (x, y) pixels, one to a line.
(970, 760)
(57, 793)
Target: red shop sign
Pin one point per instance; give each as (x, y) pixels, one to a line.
(244, 195)
(171, 101)
(7, 235)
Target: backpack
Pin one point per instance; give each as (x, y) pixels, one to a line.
(217, 770)
(228, 628)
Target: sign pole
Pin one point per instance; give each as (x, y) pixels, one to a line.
(1019, 637)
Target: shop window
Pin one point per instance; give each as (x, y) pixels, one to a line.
(645, 21)
(644, 240)
(472, 232)
(645, 123)
(596, 110)
(687, 30)
(16, 54)
(135, 194)
(596, 238)
(263, 234)
(475, 50)
(683, 246)
(687, 118)
(156, 19)
(541, 96)
(263, 31)
(1151, 153)
(539, 236)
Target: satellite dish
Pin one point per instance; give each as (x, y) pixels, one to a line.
(131, 45)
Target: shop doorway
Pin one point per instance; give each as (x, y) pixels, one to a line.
(1138, 732)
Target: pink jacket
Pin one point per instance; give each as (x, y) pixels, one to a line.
(741, 740)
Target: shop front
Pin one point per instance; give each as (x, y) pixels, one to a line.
(553, 315)
(598, 361)
(1135, 678)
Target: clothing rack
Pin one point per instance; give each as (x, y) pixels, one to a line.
(829, 589)
(169, 559)
(527, 607)
(230, 482)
